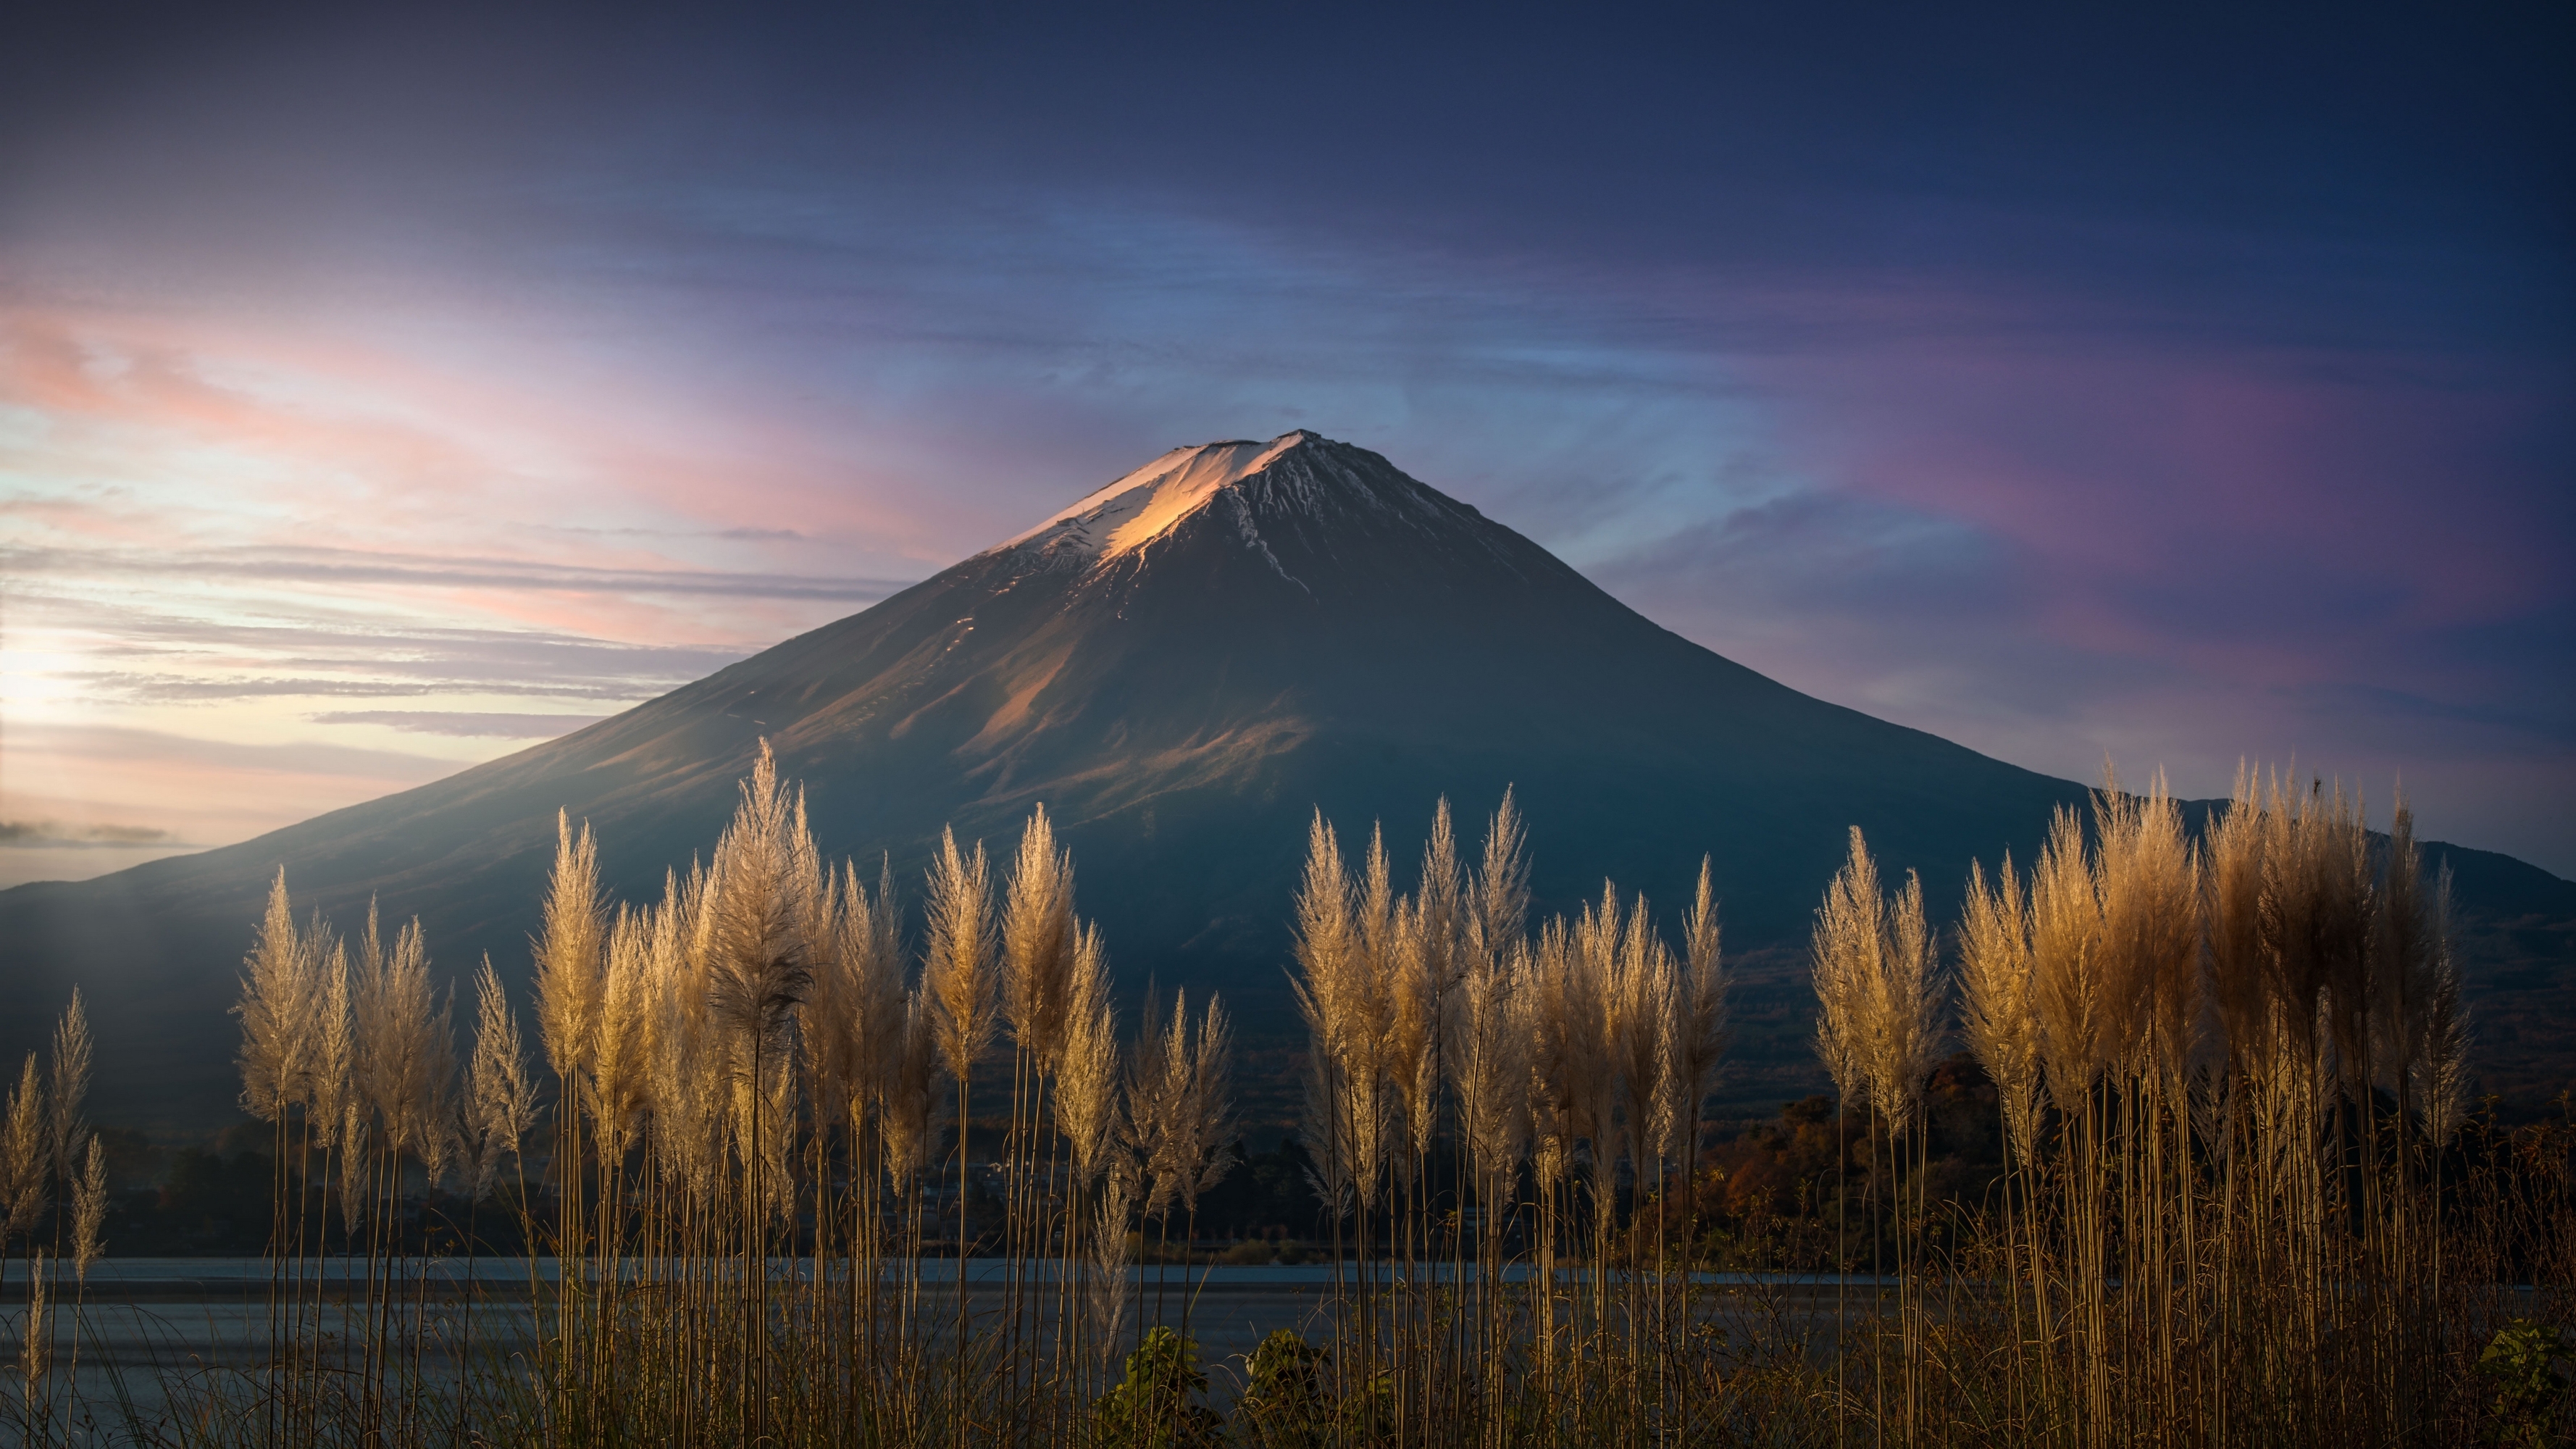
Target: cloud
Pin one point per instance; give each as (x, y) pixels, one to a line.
(111, 744)
(139, 646)
(2043, 474)
(140, 688)
(294, 625)
(353, 566)
(450, 722)
(53, 834)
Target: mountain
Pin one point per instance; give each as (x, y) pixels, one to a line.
(1182, 666)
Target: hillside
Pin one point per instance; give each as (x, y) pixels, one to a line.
(1183, 666)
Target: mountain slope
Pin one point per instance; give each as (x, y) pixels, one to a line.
(1182, 666)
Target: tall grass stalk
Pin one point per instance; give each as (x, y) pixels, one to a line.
(2238, 1202)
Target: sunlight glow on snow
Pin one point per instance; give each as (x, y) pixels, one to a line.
(1146, 504)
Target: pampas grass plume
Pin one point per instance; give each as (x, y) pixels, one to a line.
(1488, 1064)
(274, 1010)
(1905, 1034)
(69, 1087)
(1037, 941)
(1703, 1028)
(1206, 1104)
(2147, 877)
(1501, 893)
(1998, 1014)
(1843, 959)
(1086, 1103)
(25, 1155)
(761, 914)
(2066, 961)
(568, 953)
(500, 1104)
(913, 1091)
(89, 1209)
(959, 972)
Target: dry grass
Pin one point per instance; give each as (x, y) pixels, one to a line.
(2230, 1069)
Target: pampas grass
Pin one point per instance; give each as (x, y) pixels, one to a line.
(1878, 993)
(568, 952)
(68, 1070)
(500, 1099)
(278, 991)
(1998, 1013)
(26, 1156)
(2231, 1070)
(89, 1208)
(959, 970)
(2221, 1232)
(1037, 939)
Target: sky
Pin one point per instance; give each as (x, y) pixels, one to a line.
(383, 391)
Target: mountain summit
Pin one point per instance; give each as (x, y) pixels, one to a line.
(1183, 667)
(1298, 479)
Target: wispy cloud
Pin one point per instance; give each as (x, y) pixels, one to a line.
(54, 834)
(353, 566)
(737, 535)
(97, 744)
(2231, 445)
(141, 688)
(162, 649)
(88, 784)
(450, 722)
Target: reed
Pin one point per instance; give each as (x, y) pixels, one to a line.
(2245, 1196)
(53, 1204)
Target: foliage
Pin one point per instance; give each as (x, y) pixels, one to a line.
(1286, 1401)
(2522, 1366)
(1155, 1406)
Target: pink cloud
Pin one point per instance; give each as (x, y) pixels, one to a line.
(2124, 470)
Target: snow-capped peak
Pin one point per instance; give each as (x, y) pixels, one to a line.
(1148, 503)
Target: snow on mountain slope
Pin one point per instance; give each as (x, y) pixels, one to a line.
(1304, 492)
(1147, 503)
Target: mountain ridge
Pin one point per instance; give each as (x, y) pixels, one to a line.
(1183, 665)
